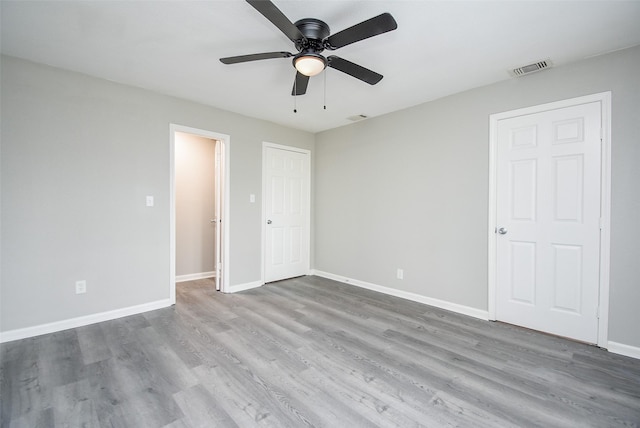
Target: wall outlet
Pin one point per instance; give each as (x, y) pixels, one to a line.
(81, 287)
(400, 273)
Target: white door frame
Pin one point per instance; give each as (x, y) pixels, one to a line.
(605, 201)
(266, 145)
(219, 235)
(226, 170)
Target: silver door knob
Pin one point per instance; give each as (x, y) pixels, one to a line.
(502, 231)
(268, 221)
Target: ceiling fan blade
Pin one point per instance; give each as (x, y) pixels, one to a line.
(255, 57)
(277, 18)
(300, 84)
(369, 28)
(355, 70)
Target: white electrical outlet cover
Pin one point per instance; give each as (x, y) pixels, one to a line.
(81, 287)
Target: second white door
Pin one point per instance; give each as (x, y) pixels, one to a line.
(548, 221)
(286, 207)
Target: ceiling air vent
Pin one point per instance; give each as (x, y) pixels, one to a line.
(531, 68)
(357, 117)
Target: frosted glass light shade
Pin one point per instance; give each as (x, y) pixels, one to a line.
(309, 65)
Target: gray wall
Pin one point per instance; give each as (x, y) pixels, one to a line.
(410, 189)
(195, 204)
(407, 190)
(79, 155)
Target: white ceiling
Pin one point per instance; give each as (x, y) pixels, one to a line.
(439, 48)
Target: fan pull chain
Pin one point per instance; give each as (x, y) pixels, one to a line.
(325, 88)
(295, 92)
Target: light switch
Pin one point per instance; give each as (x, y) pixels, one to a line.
(149, 201)
(252, 198)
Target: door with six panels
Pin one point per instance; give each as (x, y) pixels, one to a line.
(287, 205)
(548, 221)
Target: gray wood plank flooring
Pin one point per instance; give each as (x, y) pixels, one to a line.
(311, 352)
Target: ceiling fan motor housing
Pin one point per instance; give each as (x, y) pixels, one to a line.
(315, 31)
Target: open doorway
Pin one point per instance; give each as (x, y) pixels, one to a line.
(199, 206)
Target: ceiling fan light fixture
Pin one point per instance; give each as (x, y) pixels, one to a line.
(309, 64)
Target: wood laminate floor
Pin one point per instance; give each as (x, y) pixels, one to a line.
(311, 352)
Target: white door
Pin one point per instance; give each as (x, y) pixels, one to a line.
(548, 221)
(286, 207)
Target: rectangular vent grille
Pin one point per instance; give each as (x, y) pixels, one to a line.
(531, 68)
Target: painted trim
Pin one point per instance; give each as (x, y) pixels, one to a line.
(492, 274)
(243, 287)
(263, 243)
(442, 304)
(605, 212)
(54, 327)
(172, 215)
(195, 276)
(226, 218)
(622, 349)
(604, 98)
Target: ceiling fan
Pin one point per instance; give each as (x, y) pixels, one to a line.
(311, 37)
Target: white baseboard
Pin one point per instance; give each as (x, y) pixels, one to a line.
(23, 333)
(442, 304)
(194, 276)
(243, 287)
(622, 349)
